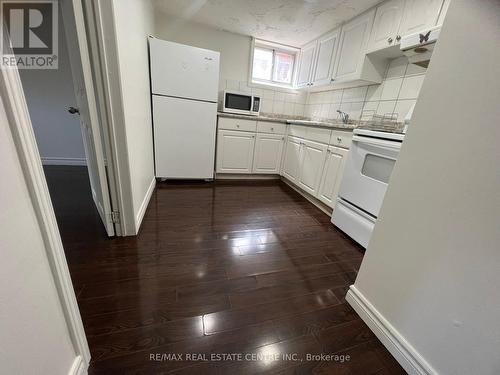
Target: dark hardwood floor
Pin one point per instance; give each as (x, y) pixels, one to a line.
(217, 269)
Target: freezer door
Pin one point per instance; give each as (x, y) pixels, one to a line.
(184, 138)
(183, 71)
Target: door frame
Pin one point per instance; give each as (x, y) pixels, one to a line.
(86, 94)
(12, 94)
(101, 34)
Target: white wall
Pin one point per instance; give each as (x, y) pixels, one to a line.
(432, 268)
(133, 23)
(49, 93)
(34, 337)
(235, 52)
(234, 48)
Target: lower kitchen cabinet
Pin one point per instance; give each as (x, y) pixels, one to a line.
(292, 160)
(311, 166)
(332, 175)
(311, 158)
(235, 150)
(267, 153)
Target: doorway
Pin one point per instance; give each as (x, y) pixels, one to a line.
(69, 134)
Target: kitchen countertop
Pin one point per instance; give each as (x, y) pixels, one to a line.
(292, 120)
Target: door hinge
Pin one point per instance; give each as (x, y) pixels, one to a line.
(115, 217)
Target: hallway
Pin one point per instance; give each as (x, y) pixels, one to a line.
(228, 267)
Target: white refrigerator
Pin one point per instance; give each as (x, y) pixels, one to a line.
(184, 89)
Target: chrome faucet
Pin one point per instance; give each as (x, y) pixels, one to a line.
(344, 116)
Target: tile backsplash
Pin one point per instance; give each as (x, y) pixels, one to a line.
(272, 101)
(395, 95)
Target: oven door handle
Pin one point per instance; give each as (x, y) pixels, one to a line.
(377, 142)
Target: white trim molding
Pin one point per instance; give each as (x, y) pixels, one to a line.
(12, 94)
(79, 367)
(402, 350)
(64, 161)
(144, 205)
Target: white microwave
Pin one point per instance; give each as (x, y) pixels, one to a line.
(241, 103)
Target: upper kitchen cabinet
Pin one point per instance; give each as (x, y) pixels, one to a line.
(419, 15)
(304, 72)
(397, 18)
(443, 11)
(353, 65)
(386, 25)
(325, 58)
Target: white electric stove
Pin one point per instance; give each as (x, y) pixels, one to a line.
(369, 165)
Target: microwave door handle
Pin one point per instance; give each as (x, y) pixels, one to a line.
(377, 142)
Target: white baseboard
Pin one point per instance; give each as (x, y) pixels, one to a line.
(144, 205)
(405, 354)
(64, 161)
(79, 367)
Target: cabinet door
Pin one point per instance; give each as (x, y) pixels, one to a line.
(267, 155)
(419, 15)
(442, 12)
(235, 151)
(292, 160)
(352, 48)
(313, 159)
(332, 175)
(325, 58)
(307, 55)
(386, 25)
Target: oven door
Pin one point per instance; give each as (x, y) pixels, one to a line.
(368, 168)
(238, 103)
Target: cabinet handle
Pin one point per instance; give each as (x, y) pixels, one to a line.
(272, 129)
(339, 139)
(389, 40)
(398, 38)
(332, 80)
(237, 126)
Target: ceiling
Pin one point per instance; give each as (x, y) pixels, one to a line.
(292, 22)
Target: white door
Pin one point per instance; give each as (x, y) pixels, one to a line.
(184, 137)
(352, 47)
(292, 160)
(235, 151)
(419, 15)
(74, 26)
(183, 71)
(332, 175)
(267, 154)
(325, 60)
(306, 61)
(313, 159)
(386, 25)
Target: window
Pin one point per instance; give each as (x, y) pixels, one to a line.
(273, 64)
